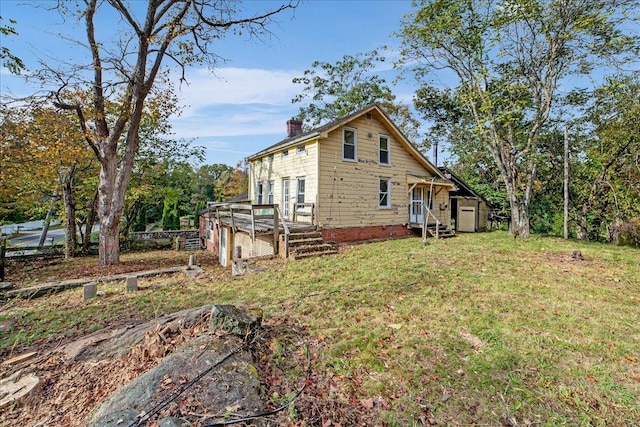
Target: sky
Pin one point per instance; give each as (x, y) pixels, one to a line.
(243, 107)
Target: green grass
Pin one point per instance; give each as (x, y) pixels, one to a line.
(467, 331)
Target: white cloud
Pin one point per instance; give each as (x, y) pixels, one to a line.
(237, 86)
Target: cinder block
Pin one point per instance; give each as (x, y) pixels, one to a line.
(90, 290)
(132, 283)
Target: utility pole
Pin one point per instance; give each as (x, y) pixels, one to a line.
(566, 182)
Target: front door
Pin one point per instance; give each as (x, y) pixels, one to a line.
(416, 212)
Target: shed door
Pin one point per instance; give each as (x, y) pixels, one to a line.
(466, 219)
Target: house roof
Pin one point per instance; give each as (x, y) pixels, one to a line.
(323, 132)
(463, 189)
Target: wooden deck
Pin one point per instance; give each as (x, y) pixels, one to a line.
(256, 219)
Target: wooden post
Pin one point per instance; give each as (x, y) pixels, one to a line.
(3, 248)
(276, 229)
(566, 182)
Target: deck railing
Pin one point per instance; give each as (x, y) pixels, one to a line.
(304, 210)
(286, 234)
(429, 213)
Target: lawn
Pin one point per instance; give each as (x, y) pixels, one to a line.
(481, 329)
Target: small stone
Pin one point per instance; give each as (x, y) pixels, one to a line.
(90, 290)
(132, 283)
(7, 325)
(170, 422)
(234, 320)
(192, 262)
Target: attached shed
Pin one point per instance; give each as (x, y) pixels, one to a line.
(469, 210)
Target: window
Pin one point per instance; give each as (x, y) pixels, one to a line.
(349, 140)
(259, 188)
(300, 194)
(384, 193)
(285, 153)
(300, 149)
(269, 192)
(285, 197)
(270, 158)
(260, 161)
(383, 158)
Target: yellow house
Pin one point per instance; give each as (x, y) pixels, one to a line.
(357, 178)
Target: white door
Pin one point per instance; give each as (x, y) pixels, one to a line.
(416, 214)
(223, 246)
(286, 198)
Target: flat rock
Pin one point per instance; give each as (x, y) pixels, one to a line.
(232, 383)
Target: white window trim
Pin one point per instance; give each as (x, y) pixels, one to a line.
(380, 136)
(388, 205)
(301, 149)
(355, 144)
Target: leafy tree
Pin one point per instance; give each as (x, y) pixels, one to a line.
(509, 58)
(608, 176)
(7, 59)
(45, 153)
(335, 90)
(178, 30)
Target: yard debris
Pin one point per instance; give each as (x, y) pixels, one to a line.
(17, 387)
(19, 359)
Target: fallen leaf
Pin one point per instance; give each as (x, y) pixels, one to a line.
(395, 326)
(631, 358)
(593, 380)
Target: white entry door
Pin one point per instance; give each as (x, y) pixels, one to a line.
(286, 198)
(416, 212)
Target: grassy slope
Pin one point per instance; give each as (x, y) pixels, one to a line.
(480, 329)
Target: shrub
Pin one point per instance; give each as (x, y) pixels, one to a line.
(630, 233)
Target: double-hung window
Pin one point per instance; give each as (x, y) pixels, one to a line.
(269, 192)
(259, 189)
(383, 152)
(300, 190)
(349, 143)
(384, 193)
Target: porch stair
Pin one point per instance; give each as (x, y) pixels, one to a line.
(305, 244)
(444, 232)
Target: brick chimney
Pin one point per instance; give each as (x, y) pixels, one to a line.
(294, 127)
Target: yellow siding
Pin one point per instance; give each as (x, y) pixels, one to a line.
(348, 191)
(293, 166)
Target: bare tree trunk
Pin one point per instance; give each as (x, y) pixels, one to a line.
(47, 220)
(109, 213)
(89, 222)
(70, 215)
